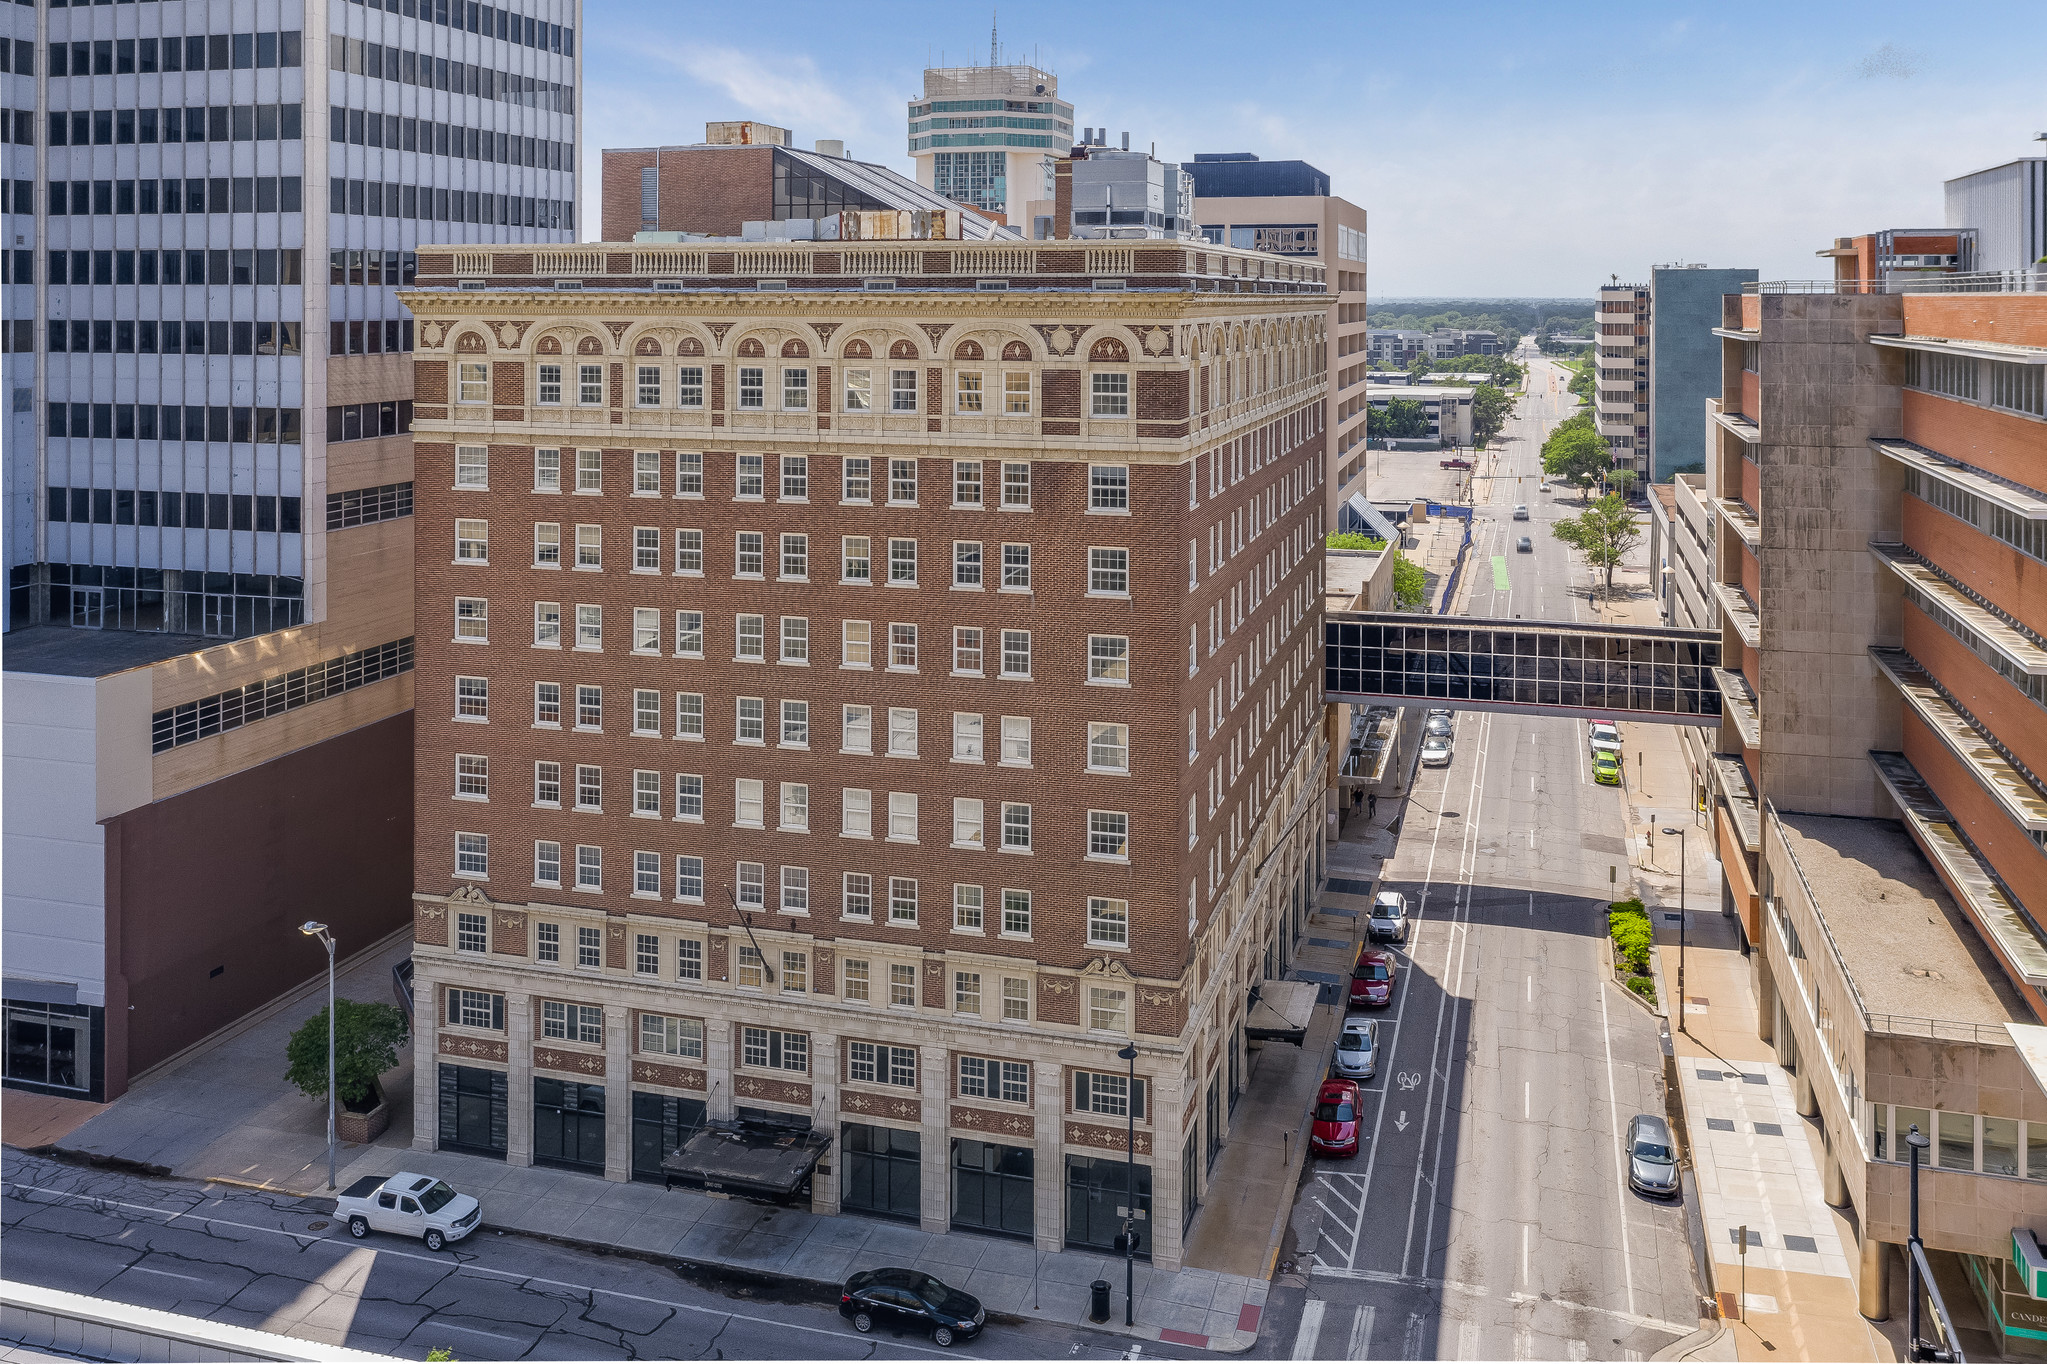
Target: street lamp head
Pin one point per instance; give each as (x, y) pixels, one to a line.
(1127, 1054)
(312, 929)
(1678, 832)
(1916, 1139)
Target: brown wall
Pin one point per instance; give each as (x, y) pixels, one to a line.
(2004, 443)
(2011, 854)
(703, 189)
(221, 877)
(1990, 568)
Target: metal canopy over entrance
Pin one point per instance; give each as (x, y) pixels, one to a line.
(1523, 667)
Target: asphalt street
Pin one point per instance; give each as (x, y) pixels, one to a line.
(281, 1263)
(1486, 1215)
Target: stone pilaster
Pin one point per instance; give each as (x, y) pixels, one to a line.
(1048, 1174)
(934, 1182)
(519, 1079)
(618, 1093)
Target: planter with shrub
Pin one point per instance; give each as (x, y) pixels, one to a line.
(1627, 923)
(366, 1042)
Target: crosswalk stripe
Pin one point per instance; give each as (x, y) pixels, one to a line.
(1576, 1350)
(1467, 1340)
(1361, 1333)
(1311, 1328)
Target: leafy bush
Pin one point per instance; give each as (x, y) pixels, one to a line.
(1645, 986)
(1628, 924)
(1350, 539)
(1410, 584)
(366, 1042)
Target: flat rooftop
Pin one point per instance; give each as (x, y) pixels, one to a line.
(61, 651)
(1910, 949)
(1345, 575)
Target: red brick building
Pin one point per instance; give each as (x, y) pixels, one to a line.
(854, 662)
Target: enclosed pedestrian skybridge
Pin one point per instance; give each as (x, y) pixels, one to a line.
(1523, 667)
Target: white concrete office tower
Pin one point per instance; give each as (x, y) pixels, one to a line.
(1621, 394)
(982, 135)
(227, 196)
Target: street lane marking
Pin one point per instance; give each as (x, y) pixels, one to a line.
(1620, 1169)
(164, 1273)
(441, 1261)
(1472, 1290)
(1360, 1333)
(451, 1326)
(1311, 1328)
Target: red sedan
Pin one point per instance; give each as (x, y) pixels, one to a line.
(1371, 980)
(1335, 1132)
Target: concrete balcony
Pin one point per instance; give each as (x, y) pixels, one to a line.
(1738, 703)
(2015, 498)
(1741, 521)
(1999, 778)
(1730, 774)
(2015, 646)
(1740, 612)
(1741, 426)
(1616, 316)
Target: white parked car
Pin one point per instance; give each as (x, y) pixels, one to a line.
(1521, 511)
(1435, 751)
(1357, 1049)
(408, 1205)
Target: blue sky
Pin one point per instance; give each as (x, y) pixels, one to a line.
(1500, 149)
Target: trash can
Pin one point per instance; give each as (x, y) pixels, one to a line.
(1098, 1301)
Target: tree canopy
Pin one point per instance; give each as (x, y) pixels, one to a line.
(1400, 419)
(366, 1042)
(1576, 452)
(1604, 533)
(1489, 411)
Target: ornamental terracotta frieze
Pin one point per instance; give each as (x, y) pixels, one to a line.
(1059, 338)
(429, 924)
(718, 330)
(667, 1076)
(508, 938)
(475, 1048)
(568, 1062)
(431, 334)
(936, 331)
(617, 328)
(1021, 1126)
(1105, 1138)
(881, 1106)
(511, 334)
(774, 1091)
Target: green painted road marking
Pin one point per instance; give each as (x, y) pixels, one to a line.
(1499, 573)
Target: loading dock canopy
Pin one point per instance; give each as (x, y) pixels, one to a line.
(1280, 1011)
(748, 1158)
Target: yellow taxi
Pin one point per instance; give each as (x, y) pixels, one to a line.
(1605, 770)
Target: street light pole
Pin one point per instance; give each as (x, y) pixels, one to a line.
(1916, 1141)
(1129, 1053)
(1680, 926)
(319, 930)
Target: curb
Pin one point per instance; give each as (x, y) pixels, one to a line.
(1693, 1343)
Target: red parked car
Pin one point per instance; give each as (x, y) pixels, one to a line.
(1335, 1132)
(1456, 463)
(1371, 980)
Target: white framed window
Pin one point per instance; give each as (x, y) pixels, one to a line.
(472, 698)
(1016, 913)
(1108, 572)
(472, 776)
(1108, 835)
(966, 823)
(547, 471)
(966, 483)
(796, 390)
(647, 949)
(1016, 827)
(902, 732)
(1110, 1095)
(547, 871)
(747, 972)
(589, 627)
(472, 542)
(663, 1036)
(589, 471)
(1016, 1008)
(590, 547)
(646, 630)
(689, 553)
(689, 386)
(1016, 653)
(1016, 568)
(856, 644)
(589, 708)
(856, 813)
(746, 803)
(753, 388)
(902, 979)
(689, 715)
(902, 816)
(1110, 394)
(902, 647)
(472, 620)
(572, 1022)
(647, 793)
(1108, 659)
(589, 787)
(966, 563)
(472, 382)
(860, 391)
(1108, 922)
(966, 737)
(902, 390)
(1108, 747)
(647, 874)
(548, 386)
(795, 807)
(795, 900)
(902, 909)
(689, 634)
(856, 482)
(795, 639)
(855, 977)
(856, 559)
(547, 705)
(547, 544)
(1107, 1011)
(856, 729)
(472, 932)
(1108, 487)
(749, 724)
(589, 867)
(966, 908)
(751, 484)
(966, 992)
(689, 797)
(749, 642)
(749, 554)
(966, 650)
(590, 385)
(1016, 394)
(967, 392)
(795, 558)
(689, 887)
(646, 473)
(795, 478)
(769, 1049)
(1016, 741)
(646, 549)
(857, 902)
(547, 625)
(902, 563)
(1016, 486)
(647, 388)
(472, 466)
(795, 724)
(752, 881)
(646, 711)
(689, 473)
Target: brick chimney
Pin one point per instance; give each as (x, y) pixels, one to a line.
(1062, 199)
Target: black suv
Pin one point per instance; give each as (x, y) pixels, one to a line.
(909, 1299)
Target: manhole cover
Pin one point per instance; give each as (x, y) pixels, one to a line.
(316, 1226)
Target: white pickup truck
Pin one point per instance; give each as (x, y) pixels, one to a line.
(410, 1205)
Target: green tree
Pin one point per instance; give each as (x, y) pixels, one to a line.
(1410, 584)
(1351, 539)
(1489, 410)
(1406, 419)
(366, 1042)
(1375, 423)
(1622, 481)
(1576, 453)
(1603, 534)
(1418, 368)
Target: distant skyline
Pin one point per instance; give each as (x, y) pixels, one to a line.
(1505, 151)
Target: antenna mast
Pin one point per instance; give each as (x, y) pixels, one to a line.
(992, 61)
